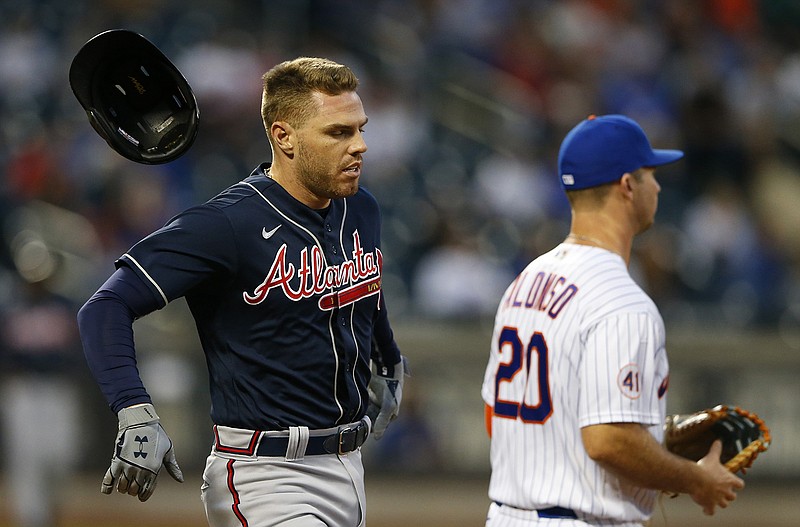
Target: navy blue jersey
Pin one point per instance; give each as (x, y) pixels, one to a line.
(284, 298)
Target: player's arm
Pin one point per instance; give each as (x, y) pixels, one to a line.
(105, 323)
(388, 365)
(385, 350)
(632, 453)
(106, 327)
(389, 369)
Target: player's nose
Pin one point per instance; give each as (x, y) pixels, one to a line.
(359, 146)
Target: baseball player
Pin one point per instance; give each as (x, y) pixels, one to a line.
(282, 274)
(575, 386)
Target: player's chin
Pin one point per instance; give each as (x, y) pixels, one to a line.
(645, 226)
(347, 187)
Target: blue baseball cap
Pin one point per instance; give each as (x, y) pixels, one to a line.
(600, 149)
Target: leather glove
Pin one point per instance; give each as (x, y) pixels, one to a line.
(142, 447)
(385, 393)
(744, 435)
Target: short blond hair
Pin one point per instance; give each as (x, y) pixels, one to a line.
(288, 88)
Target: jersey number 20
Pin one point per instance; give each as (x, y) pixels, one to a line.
(522, 356)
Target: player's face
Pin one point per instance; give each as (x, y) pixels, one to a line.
(330, 146)
(647, 189)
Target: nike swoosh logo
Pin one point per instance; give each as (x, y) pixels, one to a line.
(268, 234)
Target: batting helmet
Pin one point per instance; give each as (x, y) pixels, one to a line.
(136, 99)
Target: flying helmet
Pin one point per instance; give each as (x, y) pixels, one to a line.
(136, 99)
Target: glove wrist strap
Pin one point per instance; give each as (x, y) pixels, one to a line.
(137, 415)
(395, 371)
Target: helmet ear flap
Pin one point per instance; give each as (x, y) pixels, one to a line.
(96, 120)
(134, 97)
(106, 130)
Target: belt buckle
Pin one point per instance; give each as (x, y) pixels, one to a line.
(358, 432)
(342, 432)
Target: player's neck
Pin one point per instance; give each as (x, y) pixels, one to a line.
(606, 227)
(584, 239)
(602, 233)
(297, 191)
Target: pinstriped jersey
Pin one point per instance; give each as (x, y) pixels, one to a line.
(576, 342)
(284, 298)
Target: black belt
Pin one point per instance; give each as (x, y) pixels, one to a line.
(344, 440)
(549, 512)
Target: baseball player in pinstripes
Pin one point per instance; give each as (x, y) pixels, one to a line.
(282, 273)
(575, 386)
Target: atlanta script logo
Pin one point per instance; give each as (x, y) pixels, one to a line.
(339, 285)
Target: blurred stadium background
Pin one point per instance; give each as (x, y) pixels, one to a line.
(468, 101)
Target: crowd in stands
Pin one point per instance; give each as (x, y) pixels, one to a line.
(468, 101)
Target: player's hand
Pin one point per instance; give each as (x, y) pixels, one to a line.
(142, 448)
(720, 485)
(385, 393)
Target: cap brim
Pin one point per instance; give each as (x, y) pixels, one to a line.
(663, 157)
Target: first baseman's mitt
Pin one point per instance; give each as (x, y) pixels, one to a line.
(744, 435)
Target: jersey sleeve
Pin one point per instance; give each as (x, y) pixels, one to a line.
(385, 349)
(105, 323)
(623, 368)
(490, 374)
(190, 249)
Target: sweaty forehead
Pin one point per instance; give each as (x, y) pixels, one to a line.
(345, 108)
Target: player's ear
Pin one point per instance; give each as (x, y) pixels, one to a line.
(626, 184)
(282, 135)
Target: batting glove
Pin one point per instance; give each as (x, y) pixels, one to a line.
(385, 393)
(142, 447)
